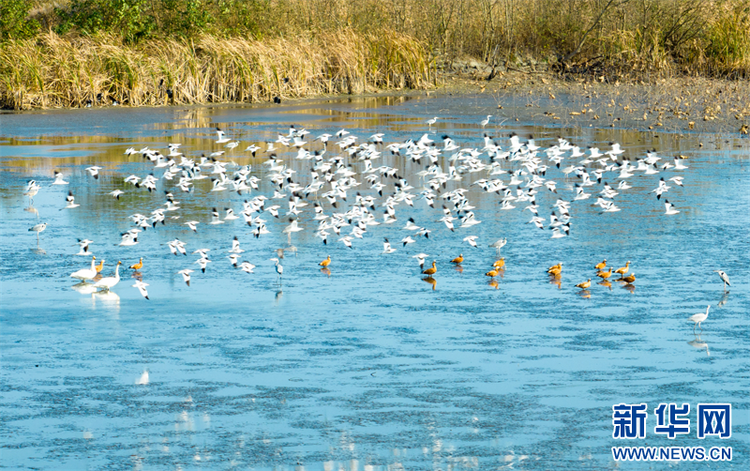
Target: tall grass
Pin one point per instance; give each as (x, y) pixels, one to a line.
(250, 50)
(52, 71)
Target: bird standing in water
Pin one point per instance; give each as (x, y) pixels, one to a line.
(698, 318)
(430, 271)
(725, 278)
(279, 267)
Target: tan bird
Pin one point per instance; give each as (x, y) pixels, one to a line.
(629, 279)
(325, 262)
(492, 273)
(458, 259)
(605, 274)
(499, 263)
(623, 270)
(586, 284)
(602, 265)
(430, 271)
(137, 266)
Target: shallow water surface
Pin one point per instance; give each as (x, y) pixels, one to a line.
(366, 365)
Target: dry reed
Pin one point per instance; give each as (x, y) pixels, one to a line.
(55, 71)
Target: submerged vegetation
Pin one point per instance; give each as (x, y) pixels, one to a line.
(67, 52)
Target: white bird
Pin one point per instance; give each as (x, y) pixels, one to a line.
(279, 267)
(387, 249)
(71, 201)
(59, 179)
(420, 258)
(32, 189)
(236, 246)
(432, 121)
(186, 275)
(203, 263)
(486, 121)
(215, 217)
(129, 239)
(109, 282)
(38, 228)
(670, 208)
(247, 267)
(725, 278)
(499, 244)
(677, 180)
(192, 225)
(472, 240)
(84, 244)
(116, 194)
(86, 273)
(235, 257)
(698, 318)
(221, 139)
(94, 171)
(143, 380)
(141, 288)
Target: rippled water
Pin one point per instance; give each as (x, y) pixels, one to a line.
(368, 366)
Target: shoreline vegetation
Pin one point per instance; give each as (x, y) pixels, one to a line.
(72, 53)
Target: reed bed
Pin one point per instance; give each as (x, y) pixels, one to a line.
(252, 50)
(71, 71)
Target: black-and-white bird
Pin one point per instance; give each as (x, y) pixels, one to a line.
(38, 228)
(94, 171)
(186, 275)
(725, 278)
(141, 288)
(71, 201)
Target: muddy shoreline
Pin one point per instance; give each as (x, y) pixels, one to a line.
(675, 105)
(684, 105)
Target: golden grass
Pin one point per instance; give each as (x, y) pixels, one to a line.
(55, 71)
(309, 47)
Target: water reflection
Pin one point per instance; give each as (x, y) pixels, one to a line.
(699, 343)
(432, 281)
(84, 288)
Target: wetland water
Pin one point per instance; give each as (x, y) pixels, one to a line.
(366, 366)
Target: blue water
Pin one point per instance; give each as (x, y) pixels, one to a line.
(366, 366)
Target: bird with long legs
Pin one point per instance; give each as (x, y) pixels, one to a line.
(724, 277)
(699, 318)
(279, 268)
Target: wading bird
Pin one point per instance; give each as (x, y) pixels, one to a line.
(725, 278)
(586, 284)
(109, 282)
(699, 318)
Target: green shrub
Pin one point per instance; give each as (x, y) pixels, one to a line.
(14, 20)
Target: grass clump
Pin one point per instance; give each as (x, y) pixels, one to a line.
(54, 70)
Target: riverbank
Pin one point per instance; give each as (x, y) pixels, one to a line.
(62, 72)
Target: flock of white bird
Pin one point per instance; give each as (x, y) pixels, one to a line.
(514, 170)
